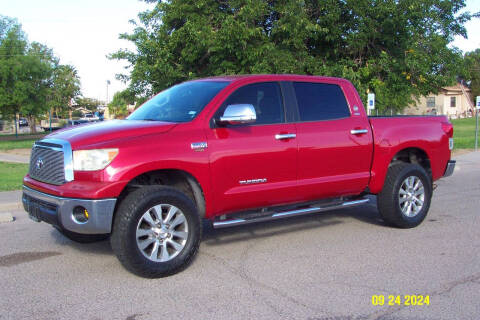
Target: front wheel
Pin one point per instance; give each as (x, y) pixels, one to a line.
(156, 231)
(405, 198)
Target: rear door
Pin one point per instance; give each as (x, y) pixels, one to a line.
(254, 165)
(334, 141)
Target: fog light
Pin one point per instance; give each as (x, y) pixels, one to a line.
(80, 214)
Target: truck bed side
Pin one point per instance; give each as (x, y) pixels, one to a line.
(391, 135)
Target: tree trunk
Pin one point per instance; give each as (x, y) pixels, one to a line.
(32, 124)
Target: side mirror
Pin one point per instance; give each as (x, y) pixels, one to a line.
(239, 114)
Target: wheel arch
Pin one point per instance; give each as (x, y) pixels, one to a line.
(405, 154)
(413, 155)
(180, 179)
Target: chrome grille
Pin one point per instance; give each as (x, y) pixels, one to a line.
(47, 163)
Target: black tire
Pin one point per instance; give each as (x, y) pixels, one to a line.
(123, 238)
(388, 201)
(82, 238)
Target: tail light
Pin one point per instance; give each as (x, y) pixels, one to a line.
(448, 129)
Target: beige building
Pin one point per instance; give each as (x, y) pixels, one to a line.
(454, 102)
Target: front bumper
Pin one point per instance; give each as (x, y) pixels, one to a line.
(58, 211)
(450, 168)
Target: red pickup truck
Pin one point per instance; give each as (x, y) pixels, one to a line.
(234, 150)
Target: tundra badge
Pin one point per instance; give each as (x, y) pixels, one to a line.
(199, 146)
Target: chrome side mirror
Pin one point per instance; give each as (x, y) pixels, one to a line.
(239, 114)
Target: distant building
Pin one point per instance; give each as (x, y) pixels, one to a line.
(454, 102)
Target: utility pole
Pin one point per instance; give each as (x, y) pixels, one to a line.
(16, 132)
(477, 108)
(108, 83)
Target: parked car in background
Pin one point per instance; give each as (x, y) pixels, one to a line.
(54, 124)
(22, 122)
(90, 117)
(76, 122)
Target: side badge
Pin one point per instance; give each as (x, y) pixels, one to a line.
(199, 146)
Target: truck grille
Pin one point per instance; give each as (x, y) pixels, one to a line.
(47, 163)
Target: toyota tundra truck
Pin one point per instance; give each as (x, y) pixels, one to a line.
(232, 150)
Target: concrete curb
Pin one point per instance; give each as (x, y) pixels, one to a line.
(11, 200)
(5, 217)
(11, 206)
(16, 158)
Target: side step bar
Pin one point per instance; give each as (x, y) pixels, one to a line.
(284, 214)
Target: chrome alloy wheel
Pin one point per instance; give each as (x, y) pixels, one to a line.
(162, 232)
(411, 196)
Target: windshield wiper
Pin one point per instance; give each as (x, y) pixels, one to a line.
(160, 120)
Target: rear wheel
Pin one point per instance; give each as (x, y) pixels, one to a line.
(156, 231)
(405, 199)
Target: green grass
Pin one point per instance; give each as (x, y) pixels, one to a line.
(16, 144)
(11, 175)
(464, 133)
(22, 135)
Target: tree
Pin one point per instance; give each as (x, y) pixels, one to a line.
(65, 87)
(13, 47)
(88, 103)
(472, 71)
(119, 103)
(38, 69)
(31, 79)
(121, 100)
(398, 49)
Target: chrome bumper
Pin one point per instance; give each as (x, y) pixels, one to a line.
(58, 211)
(450, 168)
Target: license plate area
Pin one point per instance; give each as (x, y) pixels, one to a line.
(33, 212)
(39, 210)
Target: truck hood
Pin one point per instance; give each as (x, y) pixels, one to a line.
(99, 132)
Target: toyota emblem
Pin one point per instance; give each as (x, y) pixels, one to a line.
(39, 163)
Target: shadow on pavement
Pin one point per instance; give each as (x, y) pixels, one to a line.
(101, 247)
(366, 213)
(212, 237)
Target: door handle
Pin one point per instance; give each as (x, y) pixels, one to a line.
(285, 136)
(358, 131)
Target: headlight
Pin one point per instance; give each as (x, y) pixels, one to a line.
(91, 160)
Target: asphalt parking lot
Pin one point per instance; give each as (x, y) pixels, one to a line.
(323, 266)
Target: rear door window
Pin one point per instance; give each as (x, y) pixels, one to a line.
(320, 101)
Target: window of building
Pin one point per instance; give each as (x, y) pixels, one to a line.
(453, 102)
(431, 102)
(320, 101)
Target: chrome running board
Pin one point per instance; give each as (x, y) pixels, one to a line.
(284, 214)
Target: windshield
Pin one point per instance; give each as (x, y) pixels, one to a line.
(180, 103)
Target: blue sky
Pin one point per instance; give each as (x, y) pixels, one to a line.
(83, 32)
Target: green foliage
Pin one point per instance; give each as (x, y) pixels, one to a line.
(65, 87)
(13, 62)
(12, 175)
(397, 49)
(88, 103)
(472, 71)
(118, 105)
(31, 79)
(77, 114)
